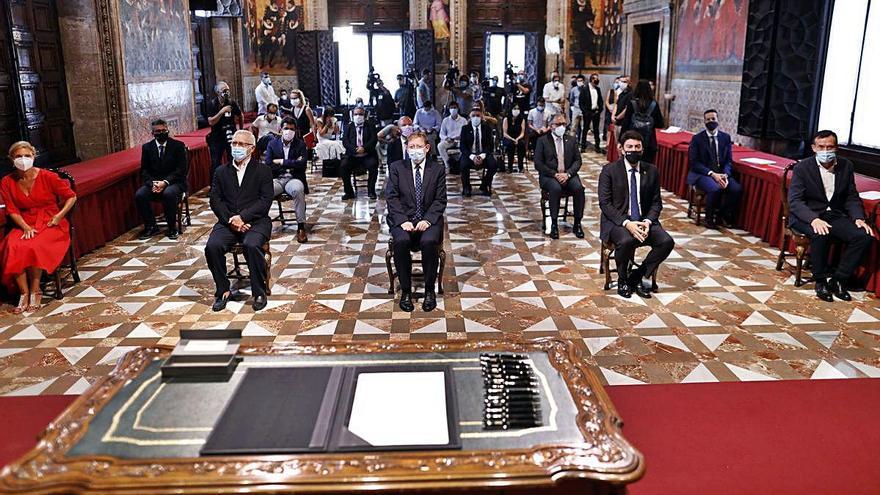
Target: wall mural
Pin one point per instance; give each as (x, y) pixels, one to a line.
(270, 41)
(711, 39)
(594, 34)
(155, 38)
(438, 15)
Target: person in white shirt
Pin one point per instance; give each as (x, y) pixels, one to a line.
(329, 145)
(574, 107)
(554, 95)
(266, 127)
(428, 121)
(538, 121)
(264, 93)
(450, 135)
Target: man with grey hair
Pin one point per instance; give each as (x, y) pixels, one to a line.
(241, 196)
(223, 113)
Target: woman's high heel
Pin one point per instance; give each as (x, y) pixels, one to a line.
(35, 300)
(22, 305)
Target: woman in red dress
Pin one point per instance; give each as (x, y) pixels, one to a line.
(40, 236)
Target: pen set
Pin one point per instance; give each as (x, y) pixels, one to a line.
(511, 396)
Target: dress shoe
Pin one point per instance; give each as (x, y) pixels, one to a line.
(823, 292)
(624, 290)
(406, 303)
(642, 291)
(521, 170)
(430, 301)
(466, 192)
(301, 236)
(172, 234)
(484, 191)
(372, 196)
(220, 302)
(554, 231)
(148, 232)
(259, 303)
(346, 197)
(839, 290)
(578, 231)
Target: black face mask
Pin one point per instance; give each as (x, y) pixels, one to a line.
(161, 137)
(711, 126)
(225, 95)
(633, 156)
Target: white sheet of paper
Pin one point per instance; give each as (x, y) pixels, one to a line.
(870, 195)
(758, 161)
(671, 129)
(400, 408)
(205, 346)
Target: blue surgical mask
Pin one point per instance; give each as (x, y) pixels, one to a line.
(239, 153)
(417, 154)
(453, 112)
(826, 156)
(540, 108)
(475, 121)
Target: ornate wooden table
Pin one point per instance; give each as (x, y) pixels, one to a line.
(132, 432)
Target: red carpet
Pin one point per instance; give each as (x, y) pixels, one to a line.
(793, 437)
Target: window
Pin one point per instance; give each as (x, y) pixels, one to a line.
(358, 52)
(850, 99)
(504, 48)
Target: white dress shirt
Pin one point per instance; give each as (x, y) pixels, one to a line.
(638, 189)
(240, 169)
(265, 95)
(482, 144)
(827, 180)
(552, 92)
(451, 128)
(596, 97)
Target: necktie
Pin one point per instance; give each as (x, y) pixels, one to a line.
(560, 156)
(477, 147)
(634, 213)
(418, 193)
(713, 153)
(161, 151)
(360, 136)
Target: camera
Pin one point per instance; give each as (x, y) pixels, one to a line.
(451, 78)
(373, 80)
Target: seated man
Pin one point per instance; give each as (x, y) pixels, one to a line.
(416, 198)
(428, 121)
(557, 160)
(477, 152)
(537, 123)
(450, 136)
(241, 196)
(711, 164)
(360, 141)
(395, 139)
(629, 198)
(825, 205)
(287, 157)
(163, 173)
(266, 127)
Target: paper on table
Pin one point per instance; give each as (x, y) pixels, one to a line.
(757, 161)
(400, 408)
(671, 130)
(205, 346)
(870, 195)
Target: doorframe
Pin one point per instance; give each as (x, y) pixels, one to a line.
(657, 13)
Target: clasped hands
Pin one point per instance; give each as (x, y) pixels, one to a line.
(238, 225)
(639, 230)
(419, 227)
(720, 179)
(562, 177)
(158, 186)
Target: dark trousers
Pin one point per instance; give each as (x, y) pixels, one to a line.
(429, 244)
(170, 198)
(856, 242)
(625, 248)
(726, 199)
(489, 164)
(519, 148)
(591, 121)
(606, 125)
(220, 152)
(554, 190)
(356, 164)
(220, 242)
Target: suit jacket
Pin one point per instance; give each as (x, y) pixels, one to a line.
(395, 150)
(467, 140)
(700, 158)
(252, 199)
(295, 161)
(806, 194)
(400, 192)
(172, 167)
(349, 139)
(546, 161)
(614, 195)
(585, 100)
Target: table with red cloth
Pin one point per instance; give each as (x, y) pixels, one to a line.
(761, 205)
(105, 188)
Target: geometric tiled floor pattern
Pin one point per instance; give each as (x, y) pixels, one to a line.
(723, 312)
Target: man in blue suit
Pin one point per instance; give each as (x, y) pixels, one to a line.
(710, 166)
(287, 156)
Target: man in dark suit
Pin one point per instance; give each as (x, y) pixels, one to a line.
(360, 142)
(825, 205)
(287, 156)
(629, 197)
(591, 104)
(163, 173)
(710, 156)
(241, 196)
(415, 194)
(558, 160)
(477, 151)
(396, 147)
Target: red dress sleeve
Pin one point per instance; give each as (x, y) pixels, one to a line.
(60, 186)
(6, 186)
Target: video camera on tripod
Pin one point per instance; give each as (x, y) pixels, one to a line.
(450, 80)
(373, 80)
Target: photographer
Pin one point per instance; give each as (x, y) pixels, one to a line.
(424, 92)
(450, 80)
(522, 91)
(475, 89)
(493, 95)
(404, 97)
(384, 104)
(225, 117)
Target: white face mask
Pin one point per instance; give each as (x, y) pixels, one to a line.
(475, 121)
(358, 119)
(453, 112)
(515, 113)
(288, 134)
(559, 130)
(416, 154)
(295, 101)
(239, 153)
(24, 163)
(580, 84)
(406, 130)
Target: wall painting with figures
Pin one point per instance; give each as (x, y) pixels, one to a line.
(156, 41)
(595, 35)
(711, 39)
(441, 22)
(270, 41)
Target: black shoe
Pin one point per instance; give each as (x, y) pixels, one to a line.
(578, 231)
(259, 303)
(839, 290)
(624, 290)
(172, 234)
(510, 170)
(372, 196)
(466, 192)
(220, 302)
(643, 292)
(406, 303)
(484, 191)
(148, 232)
(521, 170)
(430, 301)
(823, 292)
(554, 232)
(346, 197)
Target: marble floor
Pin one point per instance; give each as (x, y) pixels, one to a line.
(723, 312)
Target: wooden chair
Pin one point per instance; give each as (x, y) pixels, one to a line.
(415, 248)
(696, 202)
(605, 266)
(184, 218)
(280, 199)
(801, 242)
(67, 270)
(545, 207)
(237, 264)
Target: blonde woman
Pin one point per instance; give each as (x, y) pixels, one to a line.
(305, 119)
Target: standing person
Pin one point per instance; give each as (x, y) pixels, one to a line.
(477, 152)
(538, 123)
(610, 107)
(360, 141)
(514, 132)
(558, 160)
(474, 89)
(404, 98)
(522, 92)
(554, 95)
(576, 115)
(424, 91)
(428, 121)
(450, 135)
(264, 93)
(284, 104)
(223, 113)
(39, 237)
(384, 105)
(302, 113)
(624, 95)
(591, 108)
(710, 161)
(825, 205)
(240, 197)
(416, 200)
(493, 96)
(464, 97)
(163, 175)
(287, 156)
(642, 114)
(394, 137)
